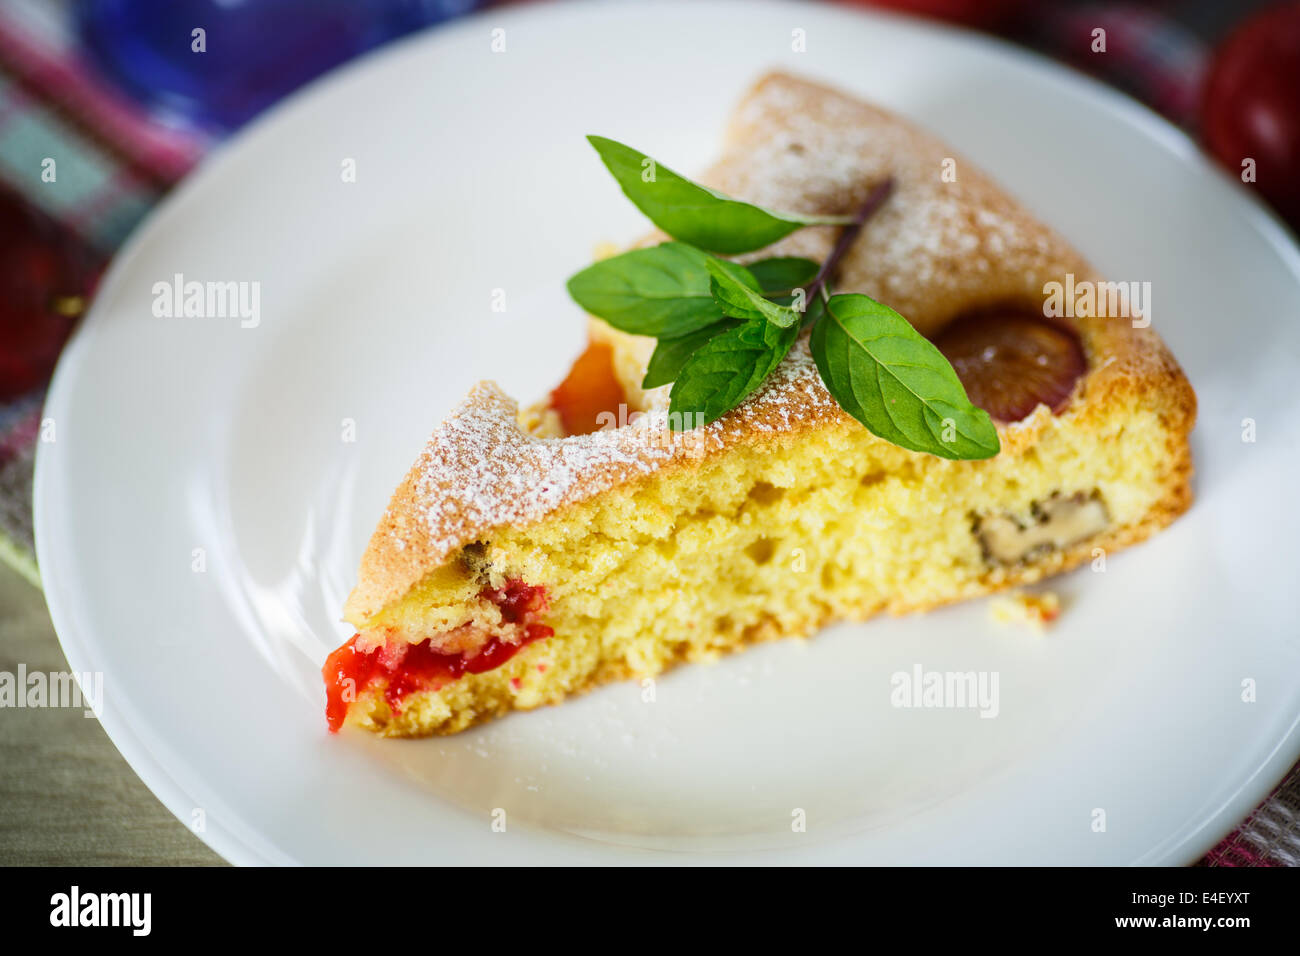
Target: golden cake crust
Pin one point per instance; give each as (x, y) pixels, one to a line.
(935, 250)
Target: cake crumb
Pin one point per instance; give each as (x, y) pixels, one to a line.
(1020, 607)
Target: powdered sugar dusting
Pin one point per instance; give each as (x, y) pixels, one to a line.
(947, 240)
(938, 246)
(480, 471)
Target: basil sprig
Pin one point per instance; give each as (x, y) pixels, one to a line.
(662, 291)
(896, 382)
(693, 213)
(726, 370)
(671, 354)
(723, 328)
(783, 274)
(743, 299)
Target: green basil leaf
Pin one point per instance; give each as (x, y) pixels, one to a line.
(724, 372)
(671, 354)
(661, 291)
(733, 270)
(740, 299)
(693, 213)
(783, 273)
(812, 312)
(894, 381)
(773, 275)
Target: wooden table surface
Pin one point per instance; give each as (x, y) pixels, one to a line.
(66, 795)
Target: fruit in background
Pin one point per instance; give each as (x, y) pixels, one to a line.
(985, 14)
(589, 390)
(1251, 108)
(45, 280)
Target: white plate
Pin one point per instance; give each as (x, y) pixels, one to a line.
(472, 175)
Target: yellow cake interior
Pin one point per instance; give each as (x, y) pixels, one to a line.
(768, 540)
(795, 515)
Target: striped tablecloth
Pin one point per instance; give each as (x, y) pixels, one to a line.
(115, 163)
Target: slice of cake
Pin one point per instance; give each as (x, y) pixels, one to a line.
(533, 555)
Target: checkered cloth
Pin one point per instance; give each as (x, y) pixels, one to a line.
(114, 164)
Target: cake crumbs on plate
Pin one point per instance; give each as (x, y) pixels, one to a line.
(1038, 610)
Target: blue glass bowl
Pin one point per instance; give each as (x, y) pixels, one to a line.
(253, 51)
